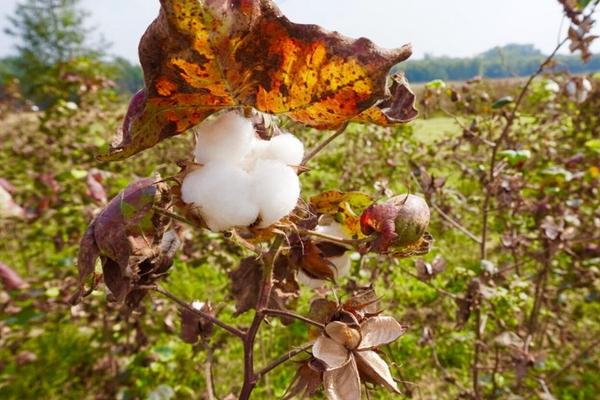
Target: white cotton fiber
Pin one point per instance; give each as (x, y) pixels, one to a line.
(229, 138)
(222, 194)
(276, 189)
(285, 148)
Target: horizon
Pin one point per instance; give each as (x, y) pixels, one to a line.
(123, 30)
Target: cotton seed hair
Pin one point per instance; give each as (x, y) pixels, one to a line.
(243, 179)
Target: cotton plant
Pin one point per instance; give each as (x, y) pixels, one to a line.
(241, 182)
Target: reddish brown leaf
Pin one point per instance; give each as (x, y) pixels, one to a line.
(315, 264)
(307, 380)
(200, 57)
(132, 240)
(246, 285)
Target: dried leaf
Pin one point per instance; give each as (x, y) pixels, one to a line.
(193, 326)
(322, 310)
(364, 302)
(342, 383)
(307, 380)
(132, 241)
(246, 284)
(378, 331)
(375, 370)
(314, 263)
(199, 57)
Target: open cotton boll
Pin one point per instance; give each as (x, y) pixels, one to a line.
(276, 189)
(257, 152)
(222, 194)
(285, 148)
(229, 137)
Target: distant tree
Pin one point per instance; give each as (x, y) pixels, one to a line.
(54, 53)
(128, 77)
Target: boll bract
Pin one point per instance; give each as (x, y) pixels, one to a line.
(275, 189)
(342, 263)
(228, 138)
(222, 195)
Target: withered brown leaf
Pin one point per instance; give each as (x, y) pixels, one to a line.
(200, 57)
(131, 239)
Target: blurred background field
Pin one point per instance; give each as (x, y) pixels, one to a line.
(60, 104)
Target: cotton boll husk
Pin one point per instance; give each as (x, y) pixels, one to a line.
(229, 138)
(276, 189)
(285, 148)
(342, 268)
(222, 194)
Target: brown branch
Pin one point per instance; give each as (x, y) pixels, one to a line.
(284, 358)
(440, 291)
(313, 153)
(475, 365)
(201, 314)
(457, 225)
(292, 315)
(250, 377)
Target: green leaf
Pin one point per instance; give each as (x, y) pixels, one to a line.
(503, 102)
(435, 84)
(581, 4)
(593, 145)
(514, 157)
(78, 173)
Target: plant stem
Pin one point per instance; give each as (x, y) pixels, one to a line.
(312, 154)
(216, 321)
(289, 314)
(286, 357)
(250, 377)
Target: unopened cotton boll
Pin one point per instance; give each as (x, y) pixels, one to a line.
(229, 138)
(222, 195)
(276, 189)
(285, 148)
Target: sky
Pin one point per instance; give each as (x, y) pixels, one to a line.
(458, 28)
